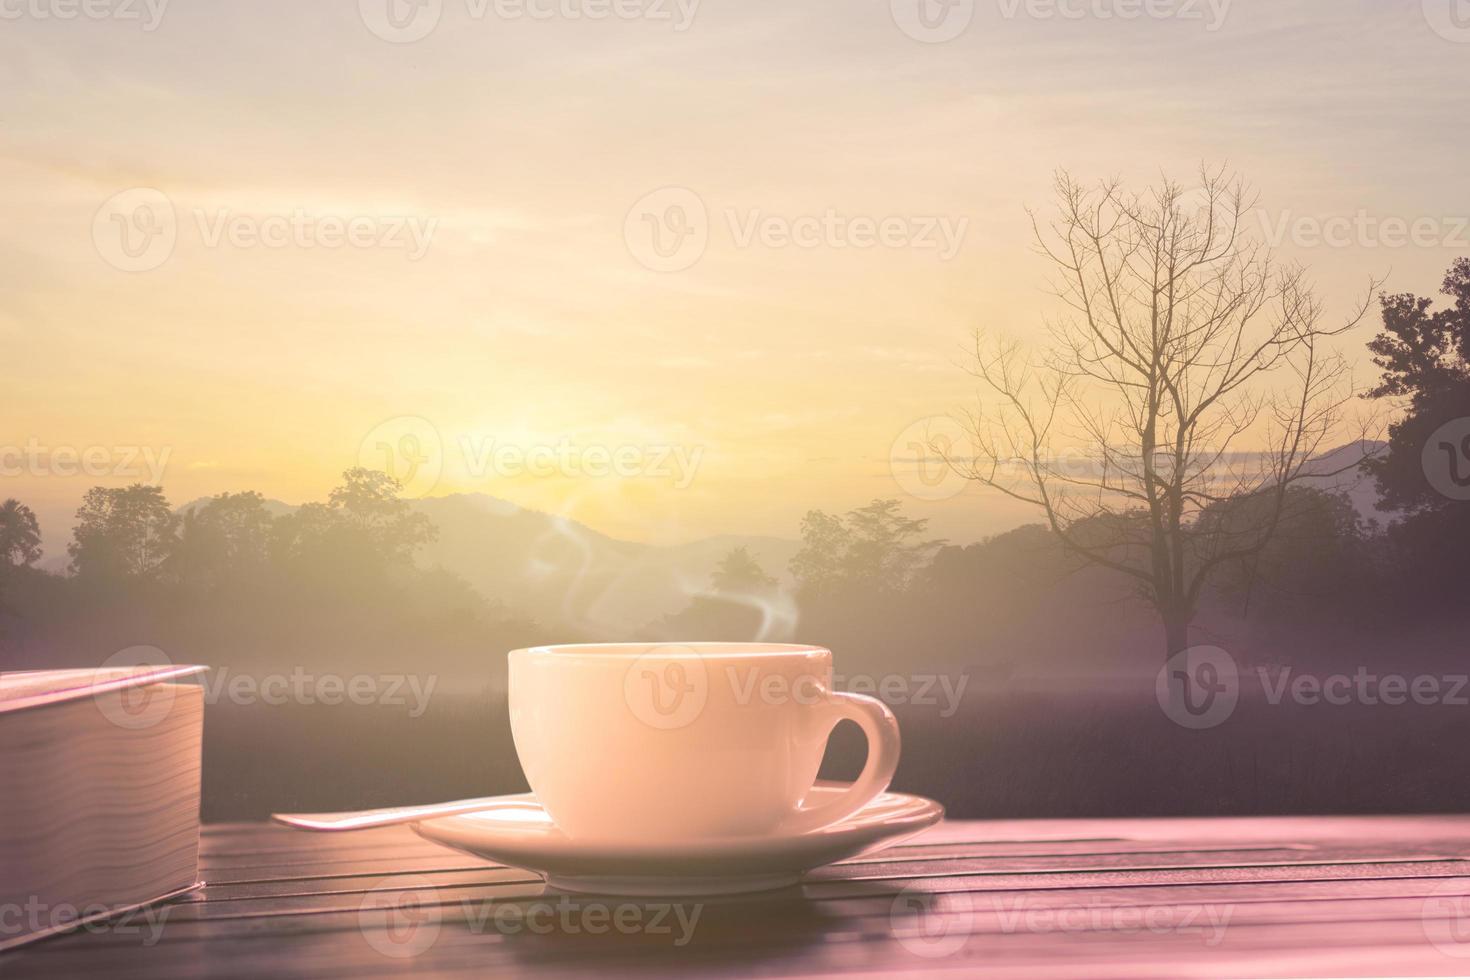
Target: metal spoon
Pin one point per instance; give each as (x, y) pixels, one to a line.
(386, 817)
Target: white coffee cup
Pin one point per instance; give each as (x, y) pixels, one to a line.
(662, 742)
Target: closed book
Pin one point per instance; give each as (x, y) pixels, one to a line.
(99, 794)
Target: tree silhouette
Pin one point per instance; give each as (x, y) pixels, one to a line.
(872, 549)
(1319, 553)
(125, 532)
(739, 573)
(226, 537)
(1182, 340)
(1425, 358)
(20, 535)
(364, 521)
(818, 566)
(369, 501)
(742, 604)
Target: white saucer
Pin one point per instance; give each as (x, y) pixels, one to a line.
(515, 830)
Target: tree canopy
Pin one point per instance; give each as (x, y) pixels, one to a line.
(875, 548)
(20, 534)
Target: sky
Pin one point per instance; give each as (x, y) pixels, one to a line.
(671, 269)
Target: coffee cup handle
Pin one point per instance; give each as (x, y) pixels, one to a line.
(881, 729)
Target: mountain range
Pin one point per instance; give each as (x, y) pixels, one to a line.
(558, 570)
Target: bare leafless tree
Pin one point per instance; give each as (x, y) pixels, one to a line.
(1189, 385)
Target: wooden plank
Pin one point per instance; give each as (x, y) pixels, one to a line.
(307, 870)
(1393, 945)
(286, 880)
(304, 894)
(302, 889)
(1043, 898)
(468, 902)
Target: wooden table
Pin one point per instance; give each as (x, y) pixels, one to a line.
(1087, 898)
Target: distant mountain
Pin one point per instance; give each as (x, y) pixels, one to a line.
(1358, 485)
(559, 570)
